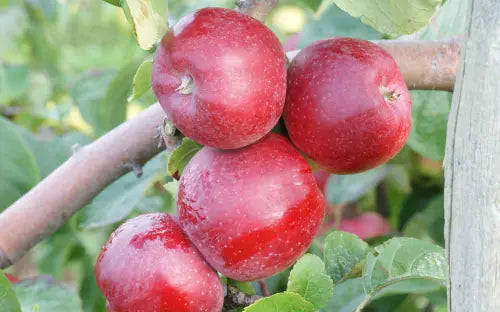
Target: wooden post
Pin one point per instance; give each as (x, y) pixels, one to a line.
(472, 167)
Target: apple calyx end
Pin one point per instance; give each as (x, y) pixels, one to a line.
(389, 94)
(186, 86)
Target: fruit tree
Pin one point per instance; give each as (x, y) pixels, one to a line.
(249, 155)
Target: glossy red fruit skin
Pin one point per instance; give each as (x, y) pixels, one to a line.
(11, 278)
(239, 77)
(149, 265)
(365, 226)
(336, 111)
(252, 211)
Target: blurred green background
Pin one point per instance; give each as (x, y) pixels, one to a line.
(66, 72)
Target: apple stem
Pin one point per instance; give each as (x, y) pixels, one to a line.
(186, 86)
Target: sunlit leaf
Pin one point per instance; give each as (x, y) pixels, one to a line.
(308, 278)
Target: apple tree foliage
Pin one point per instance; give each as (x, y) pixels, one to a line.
(72, 70)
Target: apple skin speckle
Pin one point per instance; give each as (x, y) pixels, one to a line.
(347, 105)
(150, 265)
(221, 77)
(251, 212)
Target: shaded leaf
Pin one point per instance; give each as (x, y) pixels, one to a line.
(333, 22)
(430, 108)
(429, 223)
(18, 166)
(88, 92)
(347, 296)
(281, 302)
(343, 252)
(415, 286)
(49, 154)
(13, 82)
(347, 188)
(48, 294)
(392, 17)
(117, 201)
(181, 156)
(308, 279)
(8, 299)
(114, 109)
(429, 119)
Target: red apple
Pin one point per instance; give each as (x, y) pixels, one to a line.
(252, 211)
(220, 76)
(149, 264)
(347, 105)
(11, 278)
(365, 226)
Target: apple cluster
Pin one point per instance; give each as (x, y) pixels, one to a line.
(248, 203)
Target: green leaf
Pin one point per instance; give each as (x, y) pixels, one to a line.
(281, 302)
(94, 300)
(308, 279)
(101, 96)
(430, 108)
(399, 266)
(415, 286)
(333, 22)
(88, 92)
(347, 188)
(149, 25)
(347, 296)
(181, 156)
(401, 259)
(48, 294)
(343, 252)
(49, 154)
(429, 119)
(448, 22)
(18, 166)
(8, 299)
(13, 82)
(114, 2)
(245, 287)
(429, 223)
(311, 4)
(392, 17)
(114, 110)
(150, 204)
(13, 23)
(117, 201)
(142, 80)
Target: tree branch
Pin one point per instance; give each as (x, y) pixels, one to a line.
(40, 212)
(237, 299)
(75, 183)
(425, 64)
